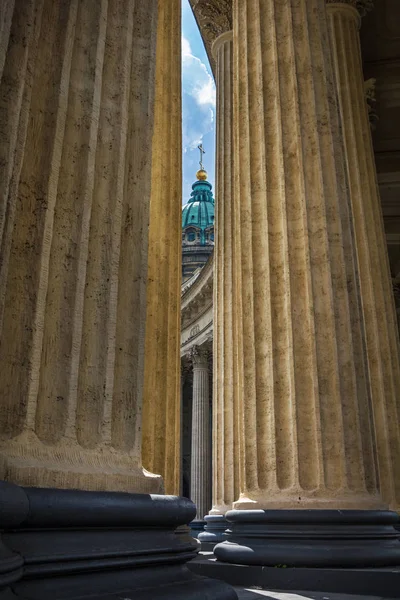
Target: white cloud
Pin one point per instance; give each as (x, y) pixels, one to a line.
(206, 93)
(198, 98)
(186, 49)
(196, 79)
(198, 106)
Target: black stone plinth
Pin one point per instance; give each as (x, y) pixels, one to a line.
(214, 531)
(311, 538)
(67, 544)
(196, 527)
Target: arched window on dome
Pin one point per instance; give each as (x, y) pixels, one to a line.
(212, 235)
(190, 235)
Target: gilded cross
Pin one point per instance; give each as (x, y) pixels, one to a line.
(202, 151)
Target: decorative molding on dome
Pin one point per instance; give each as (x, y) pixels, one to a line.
(198, 217)
(213, 17)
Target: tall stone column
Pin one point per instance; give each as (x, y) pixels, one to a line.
(75, 188)
(376, 290)
(200, 482)
(225, 384)
(224, 430)
(306, 422)
(161, 403)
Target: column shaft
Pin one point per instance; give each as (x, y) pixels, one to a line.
(161, 408)
(225, 432)
(200, 489)
(377, 298)
(305, 413)
(76, 119)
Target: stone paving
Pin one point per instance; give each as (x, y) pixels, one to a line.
(254, 593)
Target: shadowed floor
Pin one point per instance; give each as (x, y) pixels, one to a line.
(254, 593)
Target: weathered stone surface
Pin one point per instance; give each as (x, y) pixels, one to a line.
(382, 342)
(305, 418)
(226, 383)
(76, 122)
(161, 403)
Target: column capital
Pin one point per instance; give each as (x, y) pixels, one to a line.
(396, 292)
(370, 98)
(199, 356)
(363, 6)
(227, 36)
(213, 19)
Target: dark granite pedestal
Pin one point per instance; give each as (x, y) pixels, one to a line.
(196, 527)
(214, 531)
(67, 544)
(353, 552)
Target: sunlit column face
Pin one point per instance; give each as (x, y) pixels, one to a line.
(77, 93)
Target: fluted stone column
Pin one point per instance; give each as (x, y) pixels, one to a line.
(225, 385)
(200, 480)
(376, 290)
(161, 405)
(306, 422)
(76, 119)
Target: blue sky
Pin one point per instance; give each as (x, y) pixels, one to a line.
(198, 104)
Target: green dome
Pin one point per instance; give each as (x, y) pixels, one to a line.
(198, 213)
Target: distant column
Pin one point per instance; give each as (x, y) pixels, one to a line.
(225, 433)
(200, 488)
(378, 306)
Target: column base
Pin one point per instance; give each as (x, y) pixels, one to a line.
(68, 544)
(30, 463)
(196, 527)
(185, 534)
(214, 531)
(311, 538)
